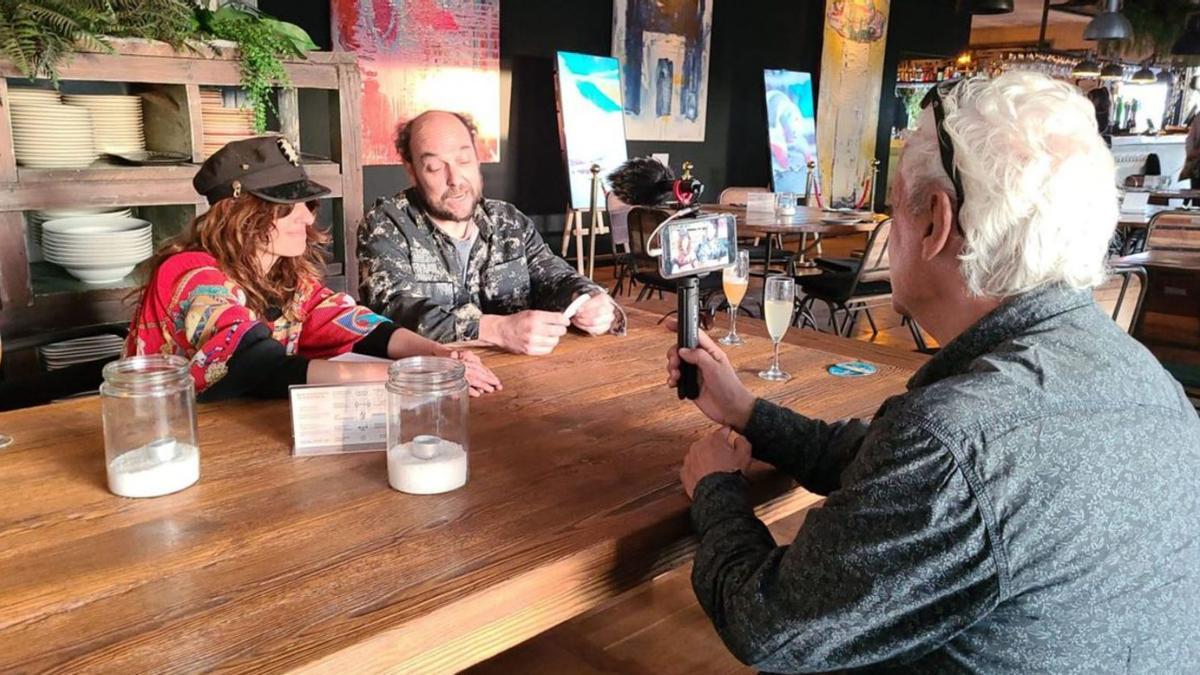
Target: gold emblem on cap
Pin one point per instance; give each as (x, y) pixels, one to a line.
(237, 189)
(285, 146)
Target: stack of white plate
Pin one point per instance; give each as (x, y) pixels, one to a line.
(97, 249)
(34, 219)
(26, 95)
(81, 350)
(222, 125)
(116, 120)
(48, 134)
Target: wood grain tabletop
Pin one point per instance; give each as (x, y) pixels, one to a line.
(275, 563)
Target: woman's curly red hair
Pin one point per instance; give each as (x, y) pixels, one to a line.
(235, 231)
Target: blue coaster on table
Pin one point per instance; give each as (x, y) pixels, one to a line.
(851, 369)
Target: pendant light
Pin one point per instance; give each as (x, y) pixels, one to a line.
(1144, 76)
(1165, 77)
(1109, 25)
(1086, 69)
(1112, 71)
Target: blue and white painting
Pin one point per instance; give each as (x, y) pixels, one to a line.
(591, 119)
(791, 128)
(664, 49)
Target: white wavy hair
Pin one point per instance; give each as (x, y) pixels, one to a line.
(1039, 194)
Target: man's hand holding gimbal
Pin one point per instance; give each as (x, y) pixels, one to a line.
(723, 397)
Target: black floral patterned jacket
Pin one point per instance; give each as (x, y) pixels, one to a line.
(411, 273)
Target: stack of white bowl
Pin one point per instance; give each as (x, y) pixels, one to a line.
(48, 134)
(97, 249)
(34, 219)
(59, 355)
(222, 125)
(116, 120)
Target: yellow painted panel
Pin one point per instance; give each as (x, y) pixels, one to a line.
(848, 101)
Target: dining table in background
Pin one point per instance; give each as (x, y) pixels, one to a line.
(1168, 321)
(277, 563)
(806, 220)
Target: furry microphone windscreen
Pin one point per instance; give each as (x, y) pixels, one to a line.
(642, 181)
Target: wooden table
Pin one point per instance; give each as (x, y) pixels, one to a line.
(807, 220)
(1168, 322)
(274, 563)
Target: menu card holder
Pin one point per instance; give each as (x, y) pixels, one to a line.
(760, 202)
(338, 418)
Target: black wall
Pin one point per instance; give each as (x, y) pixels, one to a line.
(918, 28)
(748, 36)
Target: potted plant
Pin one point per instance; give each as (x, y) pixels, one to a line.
(38, 36)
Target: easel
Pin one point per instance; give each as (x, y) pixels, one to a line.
(575, 229)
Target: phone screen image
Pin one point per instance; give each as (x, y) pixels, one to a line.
(698, 245)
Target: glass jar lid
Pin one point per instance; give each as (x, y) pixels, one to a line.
(426, 373)
(147, 372)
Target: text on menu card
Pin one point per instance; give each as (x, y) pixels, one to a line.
(335, 418)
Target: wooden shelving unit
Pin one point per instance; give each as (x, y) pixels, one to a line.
(37, 297)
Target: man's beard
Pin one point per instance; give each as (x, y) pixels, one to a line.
(441, 213)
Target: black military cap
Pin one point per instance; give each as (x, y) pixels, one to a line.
(267, 167)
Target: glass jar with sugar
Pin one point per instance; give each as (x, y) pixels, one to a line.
(427, 434)
(149, 413)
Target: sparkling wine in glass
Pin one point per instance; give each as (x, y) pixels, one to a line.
(779, 299)
(736, 279)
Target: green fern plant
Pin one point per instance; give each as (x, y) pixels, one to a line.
(36, 36)
(171, 21)
(262, 47)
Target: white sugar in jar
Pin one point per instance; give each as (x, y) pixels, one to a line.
(155, 469)
(427, 465)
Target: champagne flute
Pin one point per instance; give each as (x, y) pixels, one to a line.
(736, 279)
(779, 299)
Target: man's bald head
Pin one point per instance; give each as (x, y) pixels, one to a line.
(438, 119)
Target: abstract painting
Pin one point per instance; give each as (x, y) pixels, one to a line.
(418, 55)
(791, 128)
(591, 121)
(663, 46)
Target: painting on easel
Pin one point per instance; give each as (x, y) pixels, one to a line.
(591, 120)
(791, 128)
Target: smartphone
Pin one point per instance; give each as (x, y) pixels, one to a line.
(698, 245)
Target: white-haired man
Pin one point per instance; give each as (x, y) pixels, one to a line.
(1031, 503)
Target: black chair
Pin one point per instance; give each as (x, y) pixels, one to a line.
(642, 223)
(1130, 293)
(618, 220)
(851, 292)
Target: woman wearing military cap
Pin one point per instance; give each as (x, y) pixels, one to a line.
(241, 295)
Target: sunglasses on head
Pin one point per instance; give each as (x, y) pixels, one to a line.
(936, 98)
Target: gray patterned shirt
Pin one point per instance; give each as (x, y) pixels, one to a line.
(1030, 505)
(411, 273)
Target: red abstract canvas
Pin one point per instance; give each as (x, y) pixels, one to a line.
(418, 55)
